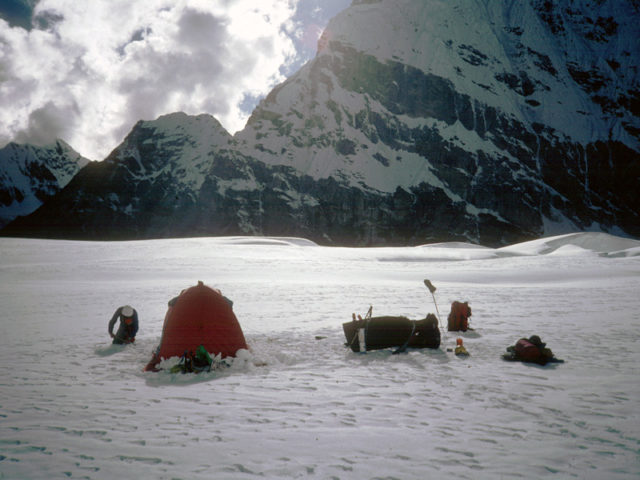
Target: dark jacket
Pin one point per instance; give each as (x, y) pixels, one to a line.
(126, 333)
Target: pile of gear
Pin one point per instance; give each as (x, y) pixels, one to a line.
(373, 333)
(194, 363)
(530, 350)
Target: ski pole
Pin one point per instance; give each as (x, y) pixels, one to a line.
(432, 289)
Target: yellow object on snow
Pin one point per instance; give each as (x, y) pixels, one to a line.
(460, 350)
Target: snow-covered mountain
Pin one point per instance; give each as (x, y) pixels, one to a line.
(493, 118)
(30, 175)
(417, 121)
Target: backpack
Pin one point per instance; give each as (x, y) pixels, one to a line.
(458, 320)
(527, 351)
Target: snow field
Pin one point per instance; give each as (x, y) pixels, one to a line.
(300, 404)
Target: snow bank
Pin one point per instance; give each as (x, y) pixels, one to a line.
(601, 243)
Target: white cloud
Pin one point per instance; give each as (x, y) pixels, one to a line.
(96, 67)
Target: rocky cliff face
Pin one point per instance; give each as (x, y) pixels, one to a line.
(494, 121)
(418, 121)
(31, 175)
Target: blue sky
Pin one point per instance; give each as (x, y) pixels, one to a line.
(87, 71)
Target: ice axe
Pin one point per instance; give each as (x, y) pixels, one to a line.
(432, 289)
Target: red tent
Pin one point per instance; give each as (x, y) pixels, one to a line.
(199, 316)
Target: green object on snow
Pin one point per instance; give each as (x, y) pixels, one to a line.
(202, 357)
(189, 362)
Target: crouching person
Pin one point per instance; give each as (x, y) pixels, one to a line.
(128, 327)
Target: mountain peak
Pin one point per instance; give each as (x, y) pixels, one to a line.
(29, 175)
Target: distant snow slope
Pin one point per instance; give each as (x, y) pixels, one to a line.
(604, 244)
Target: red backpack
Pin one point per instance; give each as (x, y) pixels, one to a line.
(458, 320)
(527, 351)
